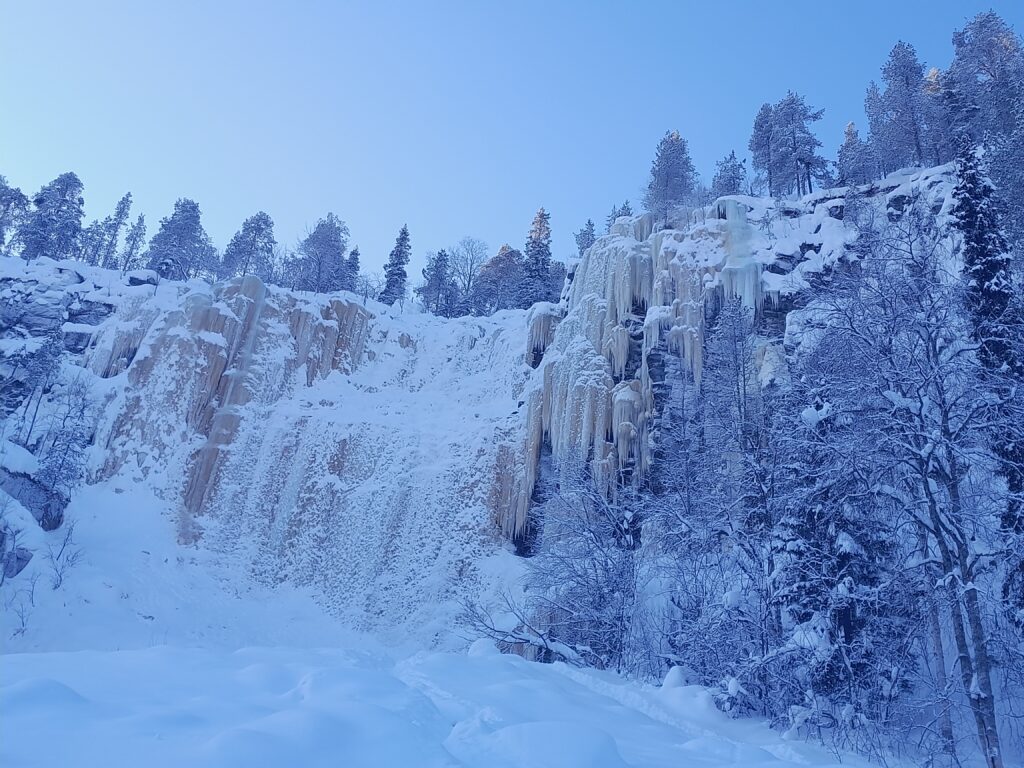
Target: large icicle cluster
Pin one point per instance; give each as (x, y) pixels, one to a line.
(640, 289)
(592, 398)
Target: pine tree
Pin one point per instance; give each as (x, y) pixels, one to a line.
(319, 265)
(133, 244)
(112, 231)
(54, 225)
(730, 174)
(794, 148)
(537, 265)
(251, 250)
(855, 163)
(395, 276)
(92, 241)
(986, 77)
(585, 237)
(896, 115)
(762, 140)
(673, 178)
(13, 207)
(181, 249)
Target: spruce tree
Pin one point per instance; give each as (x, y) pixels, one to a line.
(92, 241)
(673, 178)
(537, 278)
(395, 277)
(998, 328)
(585, 237)
(352, 270)
(54, 225)
(996, 324)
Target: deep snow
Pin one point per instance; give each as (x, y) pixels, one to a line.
(168, 706)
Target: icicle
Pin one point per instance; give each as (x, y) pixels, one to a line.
(664, 278)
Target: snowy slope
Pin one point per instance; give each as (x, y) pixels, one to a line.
(255, 707)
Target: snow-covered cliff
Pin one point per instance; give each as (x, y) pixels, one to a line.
(385, 461)
(299, 438)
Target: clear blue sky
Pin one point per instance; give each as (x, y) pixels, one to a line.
(460, 118)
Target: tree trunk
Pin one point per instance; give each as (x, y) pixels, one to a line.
(946, 734)
(982, 707)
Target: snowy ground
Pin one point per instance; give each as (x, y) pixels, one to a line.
(152, 653)
(167, 706)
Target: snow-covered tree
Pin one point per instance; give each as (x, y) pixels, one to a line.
(585, 237)
(439, 293)
(395, 277)
(251, 249)
(134, 242)
(13, 207)
(181, 249)
(794, 151)
(352, 270)
(499, 285)
(987, 75)
(112, 235)
(585, 584)
(730, 176)
(918, 401)
(896, 114)
(40, 370)
(762, 140)
(620, 210)
(673, 178)
(92, 240)
(997, 323)
(62, 466)
(537, 278)
(466, 258)
(856, 164)
(319, 262)
(53, 226)
(369, 284)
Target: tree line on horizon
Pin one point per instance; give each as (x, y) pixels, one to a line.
(916, 116)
